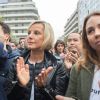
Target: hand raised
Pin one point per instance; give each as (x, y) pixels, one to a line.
(42, 77)
(67, 61)
(22, 71)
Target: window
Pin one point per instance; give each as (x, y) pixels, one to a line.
(16, 31)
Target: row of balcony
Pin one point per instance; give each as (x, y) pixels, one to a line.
(75, 24)
(19, 15)
(17, 8)
(18, 21)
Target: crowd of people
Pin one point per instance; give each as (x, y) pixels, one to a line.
(37, 69)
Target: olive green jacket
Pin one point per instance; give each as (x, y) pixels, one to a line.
(80, 83)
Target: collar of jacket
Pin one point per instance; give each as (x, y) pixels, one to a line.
(49, 59)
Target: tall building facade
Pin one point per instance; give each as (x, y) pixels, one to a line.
(71, 24)
(86, 7)
(75, 21)
(18, 14)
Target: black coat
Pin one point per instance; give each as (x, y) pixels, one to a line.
(56, 84)
(5, 63)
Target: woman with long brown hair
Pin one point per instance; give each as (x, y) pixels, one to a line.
(84, 81)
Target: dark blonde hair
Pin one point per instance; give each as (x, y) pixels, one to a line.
(89, 54)
(48, 34)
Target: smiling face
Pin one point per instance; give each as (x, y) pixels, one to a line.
(93, 32)
(35, 36)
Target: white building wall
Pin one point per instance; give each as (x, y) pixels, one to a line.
(86, 7)
(18, 15)
(71, 24)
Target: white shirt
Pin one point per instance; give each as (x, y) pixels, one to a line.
(32, 92)
(95, 91)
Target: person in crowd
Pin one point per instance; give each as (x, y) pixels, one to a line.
(39, 41)
(4, 47)
(59, 48)
(3, 58)
(84, 81)
(15, 50)
(5, 61)
(13, 44)
(21, 43)
(5, 35)
(73, 50)
(5, 39)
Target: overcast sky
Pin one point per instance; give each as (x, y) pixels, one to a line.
(56, 12)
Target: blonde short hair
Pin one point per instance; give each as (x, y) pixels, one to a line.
(48, 34)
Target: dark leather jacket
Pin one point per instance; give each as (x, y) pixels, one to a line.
(56, 84)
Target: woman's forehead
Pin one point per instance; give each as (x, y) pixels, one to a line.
(93, 19)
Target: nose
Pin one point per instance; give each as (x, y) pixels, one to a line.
(97, 33)
(72, 42)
